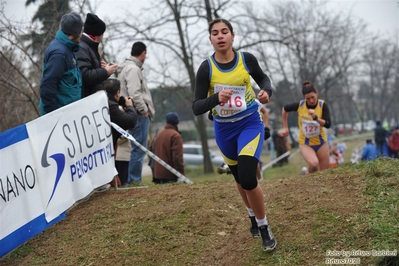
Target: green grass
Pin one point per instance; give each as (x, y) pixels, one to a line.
(375, 227)
(383, 193)
(347, 208)
(293, 168)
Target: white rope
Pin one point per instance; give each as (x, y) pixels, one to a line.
(180, 177)
(275, 161)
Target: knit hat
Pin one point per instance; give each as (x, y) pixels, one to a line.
(94, 25)
(71, 24)
(172, 118)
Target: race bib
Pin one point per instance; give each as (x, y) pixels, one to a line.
(310, 128)
(235, 105)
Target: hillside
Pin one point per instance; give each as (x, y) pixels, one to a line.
(348, 208)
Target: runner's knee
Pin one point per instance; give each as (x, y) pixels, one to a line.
(234, 172)
(247, 167)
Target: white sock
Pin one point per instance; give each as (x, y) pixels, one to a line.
(250, 212)
(261, 222)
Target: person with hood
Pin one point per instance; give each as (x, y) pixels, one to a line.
(94, 70)
(134, 84)
(168, 145)
(61, 82)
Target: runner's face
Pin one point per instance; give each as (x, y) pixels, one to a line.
(311, 98)
(221, 37)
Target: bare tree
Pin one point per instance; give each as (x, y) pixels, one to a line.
(380, 90)
(19, 76)
(316, 45)
(178, 29)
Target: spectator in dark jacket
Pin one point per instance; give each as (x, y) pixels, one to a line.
(169, 147)
(380, 136)
(61, 82)
(124, 117)
(94, 70)
(369, 151)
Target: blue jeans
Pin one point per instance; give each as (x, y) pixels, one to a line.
(140, 133)
(380, 149)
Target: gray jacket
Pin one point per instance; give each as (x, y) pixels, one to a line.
(133, 84)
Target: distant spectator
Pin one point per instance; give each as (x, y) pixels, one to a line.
(380, 138)
(282, 146)
(341, 148)
(168, 146)
(273, 139)
(369, 151)
(393, 143)
(330, 137)
(335, 155)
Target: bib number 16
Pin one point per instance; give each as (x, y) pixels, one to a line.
(233, 101)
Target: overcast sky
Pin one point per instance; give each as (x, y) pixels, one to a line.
(381, 15)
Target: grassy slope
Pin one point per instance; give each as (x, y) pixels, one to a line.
(351, 207)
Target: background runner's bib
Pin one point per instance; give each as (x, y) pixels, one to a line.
(310, 128)
(235, 105)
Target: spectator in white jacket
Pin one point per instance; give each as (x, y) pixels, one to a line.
(134, 84)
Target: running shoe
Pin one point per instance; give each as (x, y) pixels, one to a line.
(268, 240)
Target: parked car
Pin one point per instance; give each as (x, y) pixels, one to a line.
(193, 156)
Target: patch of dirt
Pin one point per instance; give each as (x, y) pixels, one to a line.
(200, 224)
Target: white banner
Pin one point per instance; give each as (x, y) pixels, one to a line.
(20, 200)
(73, 152)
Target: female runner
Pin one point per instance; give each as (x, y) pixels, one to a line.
(313, 115)
(223, 85)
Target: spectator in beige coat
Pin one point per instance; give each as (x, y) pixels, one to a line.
(133, 84)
